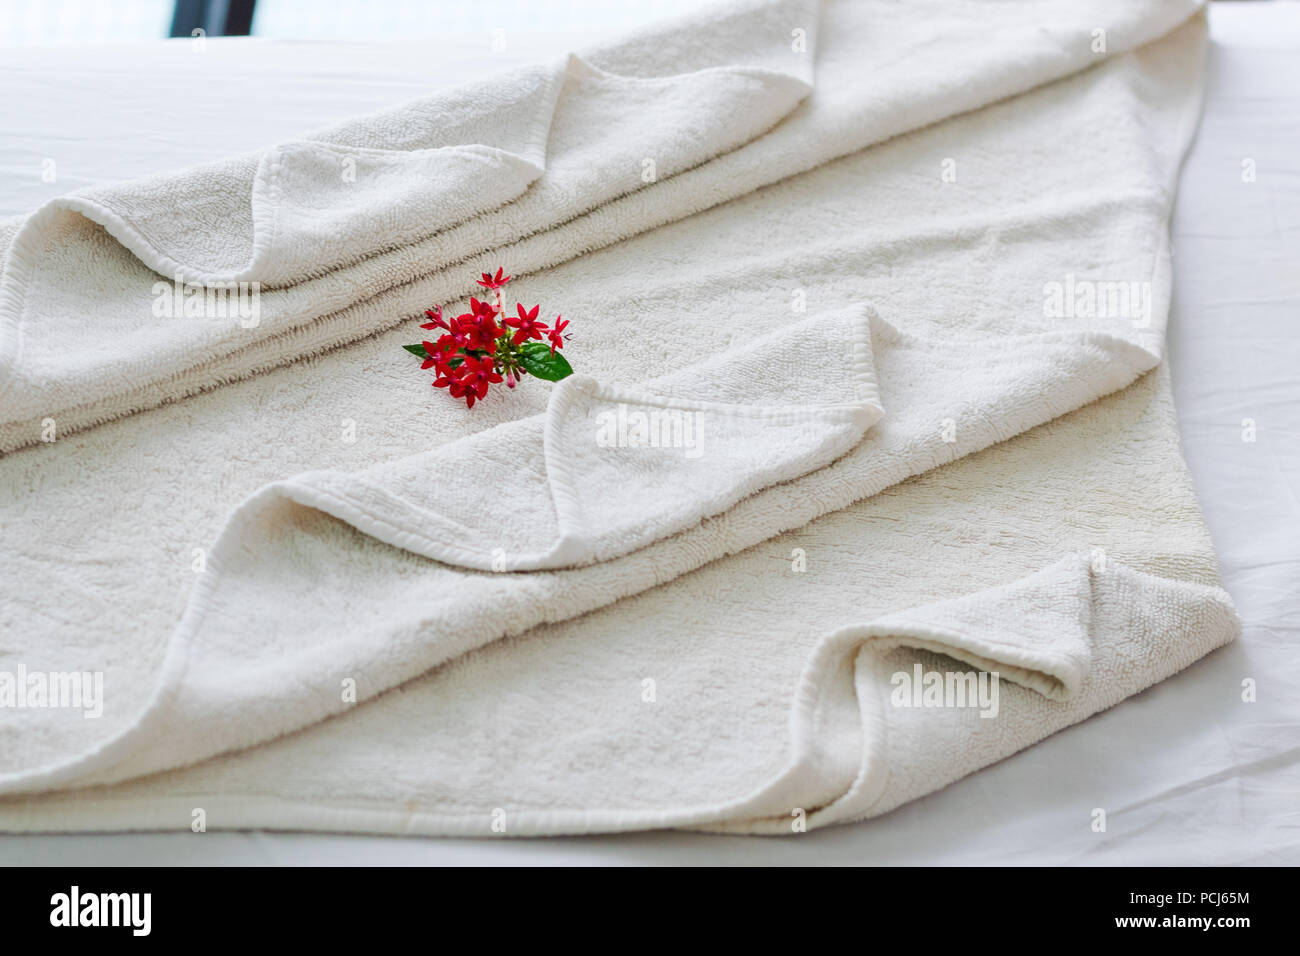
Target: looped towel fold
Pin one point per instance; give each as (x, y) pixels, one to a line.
(1054, 633)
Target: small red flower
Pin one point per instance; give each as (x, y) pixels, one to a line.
(440, 354)
(527, 325)
(480, 330)
(457, 388)
(494, 282)
(462, 336)
(482, 308)
(477, 375)
(556, 334)
(436, 320)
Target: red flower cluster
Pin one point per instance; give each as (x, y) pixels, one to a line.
(480, 348)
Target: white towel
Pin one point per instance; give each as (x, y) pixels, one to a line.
(704, 632)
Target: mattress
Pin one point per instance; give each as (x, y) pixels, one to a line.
(1189, 771)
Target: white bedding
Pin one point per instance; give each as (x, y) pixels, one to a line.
(1192, 790)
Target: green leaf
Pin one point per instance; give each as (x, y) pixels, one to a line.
(538, 360)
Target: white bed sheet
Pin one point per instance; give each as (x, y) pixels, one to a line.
(1188, 772)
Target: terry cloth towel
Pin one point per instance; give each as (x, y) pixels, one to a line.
(869, 478)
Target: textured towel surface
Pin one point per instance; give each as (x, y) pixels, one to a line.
(909, 409)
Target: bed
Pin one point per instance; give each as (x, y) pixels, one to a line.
(1191, 773)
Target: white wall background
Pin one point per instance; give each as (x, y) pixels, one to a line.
(27, 22)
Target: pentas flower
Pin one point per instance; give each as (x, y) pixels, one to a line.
(527, 324)
(478, 374)
(481, 348)
(457, 388)
(436, 320)
(556, 335)
(494, 282)
(440, 354)
(480, 330)
(463, 336)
